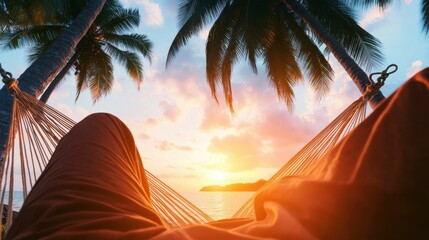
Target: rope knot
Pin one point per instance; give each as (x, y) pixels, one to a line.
(12, 84)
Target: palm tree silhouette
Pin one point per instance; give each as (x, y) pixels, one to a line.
(92, 57)
(286, 35)
(35, 78)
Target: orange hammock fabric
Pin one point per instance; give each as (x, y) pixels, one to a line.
(373, 185)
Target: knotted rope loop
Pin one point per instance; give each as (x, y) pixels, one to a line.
(375, 85)
(8, 80)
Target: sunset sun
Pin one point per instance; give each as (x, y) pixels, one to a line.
(219, 176)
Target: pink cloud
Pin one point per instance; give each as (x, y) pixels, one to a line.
(185, 77)
(242, 152)
(283, 129)
(152, 13)
(168, 146)
(143, 136)
(58, 94)
(269, 141)
(204, 34)
(215, 117)
(374, 15)
(414, 68)
(152, 122)
(171, 111)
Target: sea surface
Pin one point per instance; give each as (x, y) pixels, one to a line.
(218, 205)
(18, 199)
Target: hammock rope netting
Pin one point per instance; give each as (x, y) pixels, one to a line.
(36, 128)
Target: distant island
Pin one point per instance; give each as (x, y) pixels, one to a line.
(235, 187)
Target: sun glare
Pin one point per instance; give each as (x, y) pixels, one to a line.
(219, 176)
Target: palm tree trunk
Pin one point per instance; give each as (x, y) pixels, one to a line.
(47, 93)
(40, 73)
(359, 77)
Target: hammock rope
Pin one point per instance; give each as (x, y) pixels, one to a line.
(38, 128)
(310, 157)
(44, 127)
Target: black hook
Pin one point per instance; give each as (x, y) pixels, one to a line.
(4, 74)
(383, 75)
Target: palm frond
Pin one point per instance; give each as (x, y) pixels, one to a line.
(82, 65)
(109, 8)
(340, 21)
(6, 21)
(217, 43)
(425, 15)
(256, 21)
(368, 3)
(235, 49)
(30, 36)
(45, 11)
(130, 61)
(100, 77)
(37, 50)
(310, 57)
(282, 66)
(119, 21)
(193, 16)
(137, 42)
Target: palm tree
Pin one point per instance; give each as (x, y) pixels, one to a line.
(5, 18)
(41, 72)
(92, 57)
(286, 34)
(38, 12)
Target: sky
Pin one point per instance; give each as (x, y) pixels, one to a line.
(188, 140)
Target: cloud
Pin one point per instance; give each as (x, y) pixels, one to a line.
(204, 34)
(265, 142)
(283, 129)
(343, 92)
(242, 152)
(374, 15)
(414, 68)
(76, 113)
(152, 122)
(408, 2)
(168, 146)
(171, 111)
(143, 136)
(176, 175)
(184, 82)
(58, 94)
(152, 13)
(117, 87)
(215, 117)
(64, 109)
(82, 112)
(263, 133)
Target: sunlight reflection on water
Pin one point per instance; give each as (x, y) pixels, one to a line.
(218, 205)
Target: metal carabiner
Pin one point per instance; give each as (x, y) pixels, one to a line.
(393, 66)
(383, 74)
(5, 75)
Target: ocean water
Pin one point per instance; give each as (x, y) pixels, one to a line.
(218, 205)
(18, 199)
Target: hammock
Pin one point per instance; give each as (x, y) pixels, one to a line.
(38, 129)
